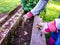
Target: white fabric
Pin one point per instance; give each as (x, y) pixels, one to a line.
(57, 23)
(38, 7)
(44, 26)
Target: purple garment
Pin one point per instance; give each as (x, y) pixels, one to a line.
(51, 41)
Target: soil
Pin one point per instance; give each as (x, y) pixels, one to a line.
(22, 35)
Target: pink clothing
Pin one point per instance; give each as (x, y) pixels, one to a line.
(29, 14)
(47, 30)
(51, 26)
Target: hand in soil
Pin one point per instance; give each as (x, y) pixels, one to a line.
(44, 27)
(24, 18)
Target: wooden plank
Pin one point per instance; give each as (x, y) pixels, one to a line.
(9, 15)
(12, 22)
(1, 19)
(36, 38)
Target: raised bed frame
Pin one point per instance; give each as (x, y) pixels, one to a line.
(9, 26)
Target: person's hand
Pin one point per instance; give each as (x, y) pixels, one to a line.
(27, 16)
(43, 27)
(48, 27)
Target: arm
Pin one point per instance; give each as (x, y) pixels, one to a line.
(40, 5)
(52, 26)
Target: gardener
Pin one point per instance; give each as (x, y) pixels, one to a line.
(39, 6)
(48, 27)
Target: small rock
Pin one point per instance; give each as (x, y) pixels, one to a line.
(25, 33)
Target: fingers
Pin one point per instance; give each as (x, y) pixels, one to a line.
(25, 17)
(42, 27)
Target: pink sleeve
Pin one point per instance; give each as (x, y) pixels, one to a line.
(51, 26)
(29, 14)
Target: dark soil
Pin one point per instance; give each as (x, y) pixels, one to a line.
(20, 38)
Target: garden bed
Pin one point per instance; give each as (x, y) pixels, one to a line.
(10, 24)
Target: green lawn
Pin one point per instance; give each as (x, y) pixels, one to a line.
(8, 5)
(52, 10)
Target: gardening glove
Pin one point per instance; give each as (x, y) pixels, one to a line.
(44, 27)
(27, 16)
(52, 26)
(48, 27)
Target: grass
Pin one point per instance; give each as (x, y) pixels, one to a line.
(7, 5)
(52, 10)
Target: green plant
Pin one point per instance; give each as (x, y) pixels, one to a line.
(52, 11)
(28, 5)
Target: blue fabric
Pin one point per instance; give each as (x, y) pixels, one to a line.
(58, 40)
(54, 35)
